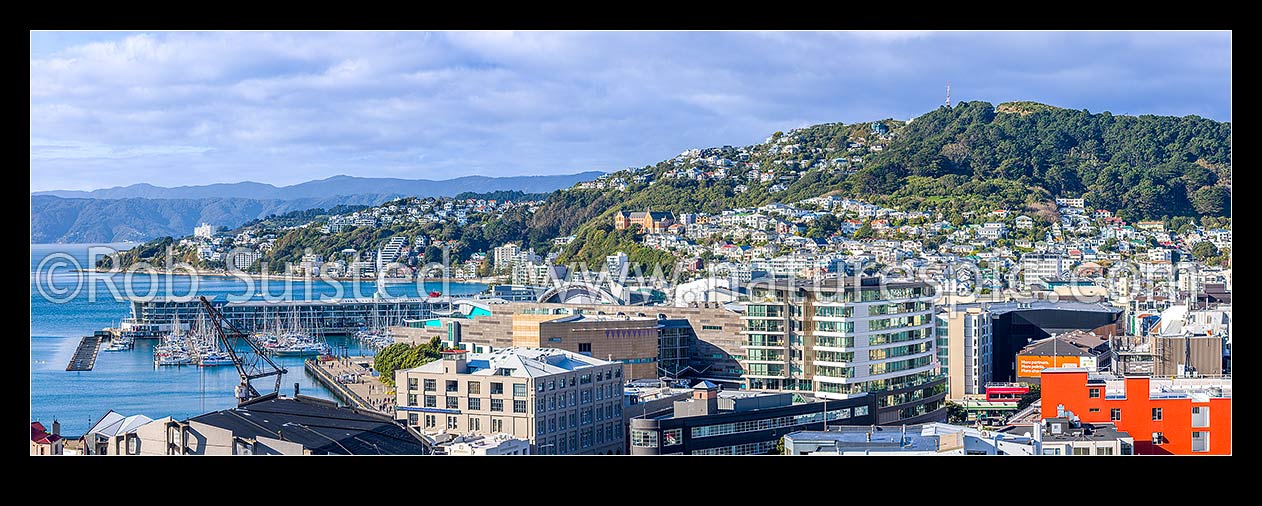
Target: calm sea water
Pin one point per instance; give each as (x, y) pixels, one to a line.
(127, 381)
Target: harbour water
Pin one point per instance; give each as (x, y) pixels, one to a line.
(127, 381)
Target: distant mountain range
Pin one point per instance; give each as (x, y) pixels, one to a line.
(336, 186)
(142, 211)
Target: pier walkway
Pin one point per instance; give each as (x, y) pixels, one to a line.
(85, 355)
(351, 380)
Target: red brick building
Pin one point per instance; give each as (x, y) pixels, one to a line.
(1181, 416)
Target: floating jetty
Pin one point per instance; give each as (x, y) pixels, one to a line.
(85, 355)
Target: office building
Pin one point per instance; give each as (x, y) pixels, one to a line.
(563, 402)
(1071, 349)
(722, 422)
(1017, 324)
(629, 340)
(838, 339)
(1180, 416)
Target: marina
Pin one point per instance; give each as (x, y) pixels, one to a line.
(128, 380)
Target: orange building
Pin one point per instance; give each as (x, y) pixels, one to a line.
(652, 221)
(1180, 416)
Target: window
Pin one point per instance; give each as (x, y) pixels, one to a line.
(1104, 450)
(617, 373)
(411, 383)
(1093, 393)
(573, 399)
(1051, 451)
(519, 389)
(475, 424)
(573, 379)
(672, 437)
(541, 405)
(453, 402)
(1115, 414)
(540, 387)
(585, 379)
(413, 419)
(431, 421)
(1082, 450)
(1200, 441)
(1158, 438)
(587, 396)
(552, 385)
(644, 438)
(711, 327)
(1093, 410)
(519, 406)
(411, 400)
(1200, 416)
(429, 385)
(431, 401)
(497, 389)
(552, 424)
(497, 425)
(561, 423)
(453, 386)
(1156, 414)
(584, 347)
(475, 403)
(452, 422)
(497, 404)
(573, 419)
(474, 387)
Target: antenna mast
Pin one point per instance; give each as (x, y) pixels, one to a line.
(948, 102)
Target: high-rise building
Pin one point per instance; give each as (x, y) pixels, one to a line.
(502, 256)
(617, 264)
(838, 339)
(1041, 266)
(204, 230)
(964, 350)
(564, 403)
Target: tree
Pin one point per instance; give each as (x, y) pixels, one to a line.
(1212, 200)
(1204, 250)
(1033, 395)
(956, 413)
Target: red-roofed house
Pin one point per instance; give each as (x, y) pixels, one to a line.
(44, 442)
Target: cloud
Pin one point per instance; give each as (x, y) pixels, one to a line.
(198, 107)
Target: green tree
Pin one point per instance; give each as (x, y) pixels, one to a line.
(1033, 395)
(956, 413)
(1204, 251)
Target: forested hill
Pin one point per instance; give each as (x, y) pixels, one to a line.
(954, 160)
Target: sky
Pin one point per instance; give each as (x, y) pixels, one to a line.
(186, 108)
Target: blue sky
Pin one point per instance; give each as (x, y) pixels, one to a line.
(179, 108)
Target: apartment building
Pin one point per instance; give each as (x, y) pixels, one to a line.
(839, 339)
(564, 403)
(964, 350)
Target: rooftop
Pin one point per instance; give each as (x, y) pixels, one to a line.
(520, 362)
(320, 426)
(1005, 307)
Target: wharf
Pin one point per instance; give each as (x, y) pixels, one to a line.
(364, 391)
(85, 355)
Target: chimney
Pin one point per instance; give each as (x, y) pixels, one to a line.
(295, 389)
(56, 427)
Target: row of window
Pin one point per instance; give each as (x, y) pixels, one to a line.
(580, 440)
(899, 321)
(879, 385)
(585, 416)
(843, 327)
(759, 448)
(898, 337)
(899, 365)
(773, 423)
(901, 307)
(898, 351)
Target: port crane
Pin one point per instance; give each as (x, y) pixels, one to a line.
(250, 365)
